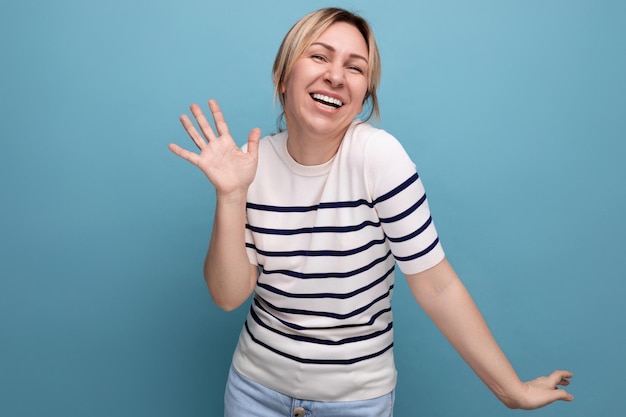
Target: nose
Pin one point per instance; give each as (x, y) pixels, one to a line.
(335, 75)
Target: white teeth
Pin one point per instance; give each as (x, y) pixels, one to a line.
(327, 99)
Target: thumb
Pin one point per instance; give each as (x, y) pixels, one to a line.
(564, 395)
(558, 394)
(253, 141)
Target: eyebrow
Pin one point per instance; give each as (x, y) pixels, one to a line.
(327, 46)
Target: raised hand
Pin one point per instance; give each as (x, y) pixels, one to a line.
(229, 169)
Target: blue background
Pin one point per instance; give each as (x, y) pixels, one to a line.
(514, 111)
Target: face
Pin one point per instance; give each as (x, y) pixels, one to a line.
(327, 85)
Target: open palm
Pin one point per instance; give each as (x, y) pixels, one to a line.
(229, 169)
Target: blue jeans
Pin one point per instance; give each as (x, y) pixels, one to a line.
(246, 398)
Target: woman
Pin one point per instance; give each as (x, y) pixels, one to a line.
(312, 221)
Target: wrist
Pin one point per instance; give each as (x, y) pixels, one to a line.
(231, 198)
(513, 397)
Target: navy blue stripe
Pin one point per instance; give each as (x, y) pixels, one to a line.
(308, 339)
(405, 213)
(346, 204)
(306, 252)
(334, 204)
(318, 361)
(304, 209)
(326, 294)
(327, 313)
(280, 209)
(412, 235)
(371, 321)
(418, 254)
(315, 229)
(398, 189)
(315, 275)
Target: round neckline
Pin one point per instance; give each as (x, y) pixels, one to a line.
(305, 170)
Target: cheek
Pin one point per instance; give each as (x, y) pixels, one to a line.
(362, 92)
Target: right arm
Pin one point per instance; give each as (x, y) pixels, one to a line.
(230, 276)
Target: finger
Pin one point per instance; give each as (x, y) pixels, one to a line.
(555, 395)
(203, 123)
(218, 118)
(253, 142)
(559, 376)
(192, 132)
(564, 395)
(184, 153)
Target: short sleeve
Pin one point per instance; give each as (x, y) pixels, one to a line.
(400, 201)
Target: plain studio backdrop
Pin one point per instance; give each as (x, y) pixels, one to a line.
(514, 111)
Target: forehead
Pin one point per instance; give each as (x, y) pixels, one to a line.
(342, 36)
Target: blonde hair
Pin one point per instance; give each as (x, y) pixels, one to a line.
(305, 32)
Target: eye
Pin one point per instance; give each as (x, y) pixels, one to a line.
(318, 57)
(356, 69)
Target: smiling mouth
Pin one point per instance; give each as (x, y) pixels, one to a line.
(327, 101)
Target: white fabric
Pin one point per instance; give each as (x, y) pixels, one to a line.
(326, 239)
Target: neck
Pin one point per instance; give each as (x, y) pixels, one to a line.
(307, 148)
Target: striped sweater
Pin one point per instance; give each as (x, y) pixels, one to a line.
(326, 239)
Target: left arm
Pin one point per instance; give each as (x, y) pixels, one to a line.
(447, 302)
